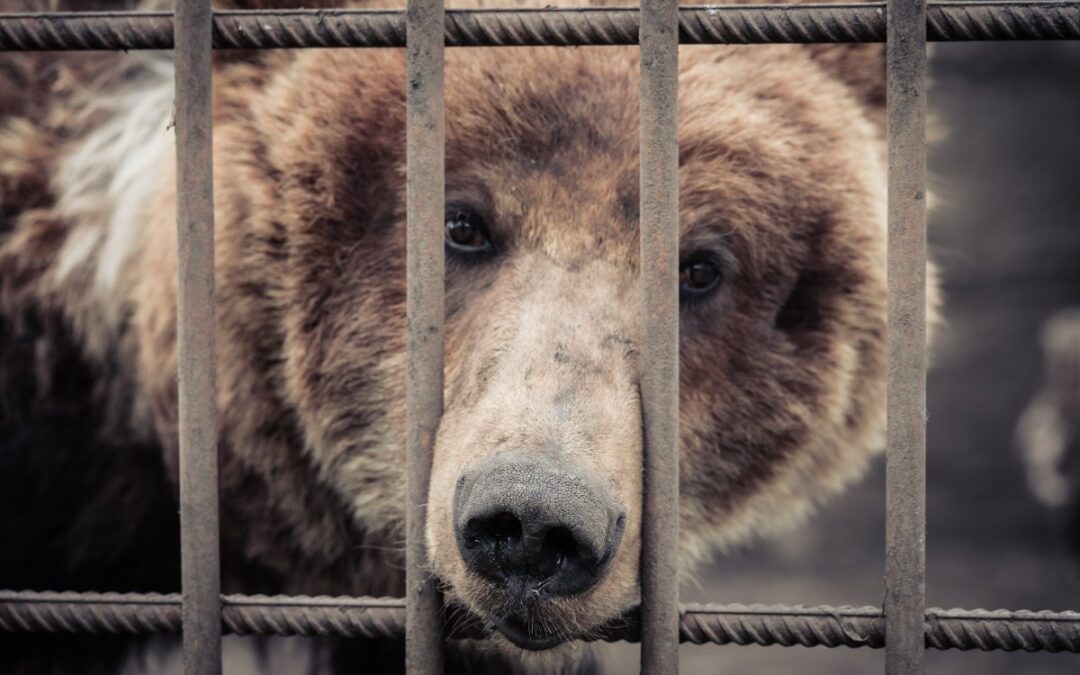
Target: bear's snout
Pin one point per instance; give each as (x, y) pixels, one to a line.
(535, 530)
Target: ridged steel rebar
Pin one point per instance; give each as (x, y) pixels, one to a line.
(965, 629)
(745, 24)
(241, 615)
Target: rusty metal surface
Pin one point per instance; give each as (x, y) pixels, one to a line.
(963, 629)
(959, 21)
(240, 615)
(199, 545)
(425, 212)
(905, 490)
(660, 336)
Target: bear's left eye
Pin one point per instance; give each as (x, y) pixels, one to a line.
(698, 276)
(466, 232)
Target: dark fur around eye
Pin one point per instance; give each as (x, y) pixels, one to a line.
(801, 312)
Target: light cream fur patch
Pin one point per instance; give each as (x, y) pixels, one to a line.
(106, 183)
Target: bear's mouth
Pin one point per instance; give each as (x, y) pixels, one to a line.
(532, 638)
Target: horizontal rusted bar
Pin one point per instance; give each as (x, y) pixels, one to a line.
(240, 615)
(743, 24)
(965, 629)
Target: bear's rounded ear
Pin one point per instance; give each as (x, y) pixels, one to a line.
(861, 67)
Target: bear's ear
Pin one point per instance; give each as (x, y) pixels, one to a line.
(861, 67)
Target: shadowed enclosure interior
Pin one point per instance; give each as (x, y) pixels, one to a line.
(200, 612)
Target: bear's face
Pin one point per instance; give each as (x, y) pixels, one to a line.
(534, 512)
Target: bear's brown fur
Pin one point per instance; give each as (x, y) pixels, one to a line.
(782, 368)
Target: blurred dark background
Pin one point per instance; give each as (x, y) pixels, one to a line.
(1005, 230)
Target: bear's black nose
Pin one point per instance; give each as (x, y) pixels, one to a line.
(533, 528)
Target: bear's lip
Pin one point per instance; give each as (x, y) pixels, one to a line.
(519, 634)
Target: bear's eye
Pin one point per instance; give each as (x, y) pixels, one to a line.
(466, 233)
(698, 276)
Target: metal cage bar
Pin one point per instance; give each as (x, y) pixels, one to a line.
(129, 613)
(199, 535)
(659, 178)
(425, 209)
(745, 24)
(905, 498)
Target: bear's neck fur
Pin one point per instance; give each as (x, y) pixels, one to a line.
(93, 187)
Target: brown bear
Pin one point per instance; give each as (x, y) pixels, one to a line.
(535, 500)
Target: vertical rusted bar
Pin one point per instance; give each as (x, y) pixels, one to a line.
(659, 38)
(425, 132)
(905, 538)
(200, 576)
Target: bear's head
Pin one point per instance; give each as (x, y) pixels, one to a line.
(534, 510)
(535, 504)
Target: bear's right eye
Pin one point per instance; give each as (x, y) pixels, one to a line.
(699, 276)
(466, 232)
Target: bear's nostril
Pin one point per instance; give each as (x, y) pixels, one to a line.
(506, 527)
(502, 529)
(530, 526)
(533, 552)
(560, 545)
